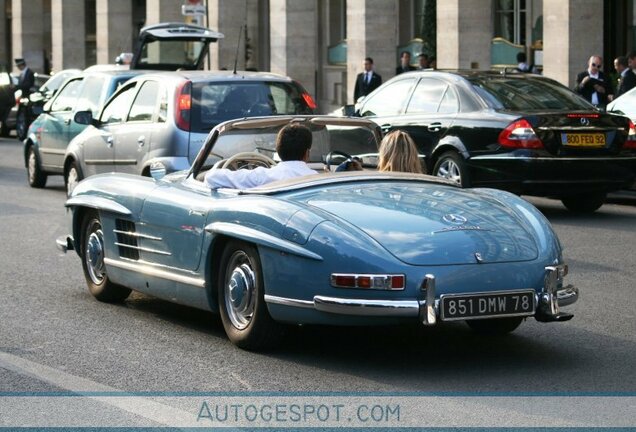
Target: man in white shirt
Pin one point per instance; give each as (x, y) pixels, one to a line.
(293, 144)
(592, 85)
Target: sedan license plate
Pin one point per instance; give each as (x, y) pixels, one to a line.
(583, 139)
(483, 305)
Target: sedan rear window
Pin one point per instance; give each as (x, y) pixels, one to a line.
(527, 94)
(216, 102)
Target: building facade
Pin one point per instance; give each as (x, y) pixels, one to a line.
(323, 43)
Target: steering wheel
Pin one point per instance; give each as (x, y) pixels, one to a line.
(335, 154)
(251, 157)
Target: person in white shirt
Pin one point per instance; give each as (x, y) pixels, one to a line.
(293, 144)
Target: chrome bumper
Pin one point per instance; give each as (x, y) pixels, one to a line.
(64, 243)
(427, 310)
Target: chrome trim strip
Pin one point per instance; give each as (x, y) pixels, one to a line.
(489, 293)
(143, 249)
(360, 307)
(260, 238)
(289, 301)
(554, 159)
(147, 269)
(110, 162)
(52, 151)
(98, 203)
(137, 234)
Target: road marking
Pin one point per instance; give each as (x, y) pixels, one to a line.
(144, 407)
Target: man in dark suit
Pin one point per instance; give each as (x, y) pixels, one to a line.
(627, 79)
(405, 63)
(592, 83)
(366, 81)
(26, 79)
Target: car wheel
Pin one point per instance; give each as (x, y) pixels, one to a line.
(21, 125)
(241, 299)
(72, 178)
(495, 326)
(451, 166)
(99, 285)
(37, 178)
(588, 203)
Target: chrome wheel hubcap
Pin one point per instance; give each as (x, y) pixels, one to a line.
(32, 165)
(448, 169)
(95, 254)
(240, 291)
(71, 180)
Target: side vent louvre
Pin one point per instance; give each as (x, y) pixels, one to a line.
(125, 231)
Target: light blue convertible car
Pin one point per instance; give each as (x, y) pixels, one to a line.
(356, 248)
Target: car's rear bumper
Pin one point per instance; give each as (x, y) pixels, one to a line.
(553, 175)
(65, 243)
(548, 301)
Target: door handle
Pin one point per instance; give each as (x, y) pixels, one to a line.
(141, 141)
(435, 127)
(109, 141)
(67, 121)
(386, 127)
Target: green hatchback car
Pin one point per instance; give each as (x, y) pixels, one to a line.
(50, 133)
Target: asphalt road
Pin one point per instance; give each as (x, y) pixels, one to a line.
(48, 319)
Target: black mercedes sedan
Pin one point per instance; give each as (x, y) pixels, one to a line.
(524, 133)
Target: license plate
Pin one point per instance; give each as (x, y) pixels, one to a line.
(583, 139)
(483, 305)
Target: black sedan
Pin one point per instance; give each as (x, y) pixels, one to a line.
(520, 132)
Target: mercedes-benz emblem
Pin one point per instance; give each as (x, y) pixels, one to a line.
(585, 121)
(454, 219)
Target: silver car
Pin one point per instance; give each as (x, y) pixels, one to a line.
(163, 119)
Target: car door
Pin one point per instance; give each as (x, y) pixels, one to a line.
(385, 105)
(54, 136)
(135, 135)
(99, 145)
(429, 114)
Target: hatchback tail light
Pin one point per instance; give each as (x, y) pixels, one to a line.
(519, 134)
(183, 106)
(630, 143)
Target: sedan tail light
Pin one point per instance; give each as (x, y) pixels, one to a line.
(630, 143)
(309, 101)
(519, 134)
(183, 106)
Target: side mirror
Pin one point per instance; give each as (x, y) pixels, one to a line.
(83, 117)
(157, 170)
(349, 110)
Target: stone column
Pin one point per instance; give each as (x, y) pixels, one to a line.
(371, 32)
(294, 41)
(464, 32)
(572, 32)
(68, 34)
(114, 29)
(28, 37)
(163, 11)
(227, 17)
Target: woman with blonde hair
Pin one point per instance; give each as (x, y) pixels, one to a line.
(399, 153)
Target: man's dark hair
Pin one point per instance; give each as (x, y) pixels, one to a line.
(293, 141)
(369, 59)
(405, 52)
(423, 55)
(521, 57)
(631, 55)
(622, 60)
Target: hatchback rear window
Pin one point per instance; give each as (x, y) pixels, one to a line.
(527, 94)
(216, 102)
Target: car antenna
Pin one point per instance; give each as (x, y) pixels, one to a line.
(238, 45)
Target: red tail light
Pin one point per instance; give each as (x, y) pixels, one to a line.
(183, 106)
(519, 134)
(368, 281)
(309, 101)
(630, 143)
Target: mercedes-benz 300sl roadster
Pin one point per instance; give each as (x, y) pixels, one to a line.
(353, 248)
